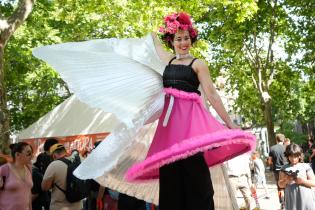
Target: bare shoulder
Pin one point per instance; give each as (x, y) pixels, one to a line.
(200, 66)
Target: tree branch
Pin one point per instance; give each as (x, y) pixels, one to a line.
(270, 78)
(9, 26)
(272, 35)
(250, 55)
(254, 81)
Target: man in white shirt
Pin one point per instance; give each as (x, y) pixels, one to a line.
(238, 170)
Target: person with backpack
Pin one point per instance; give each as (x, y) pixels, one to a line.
(58, 176)
(41, 199)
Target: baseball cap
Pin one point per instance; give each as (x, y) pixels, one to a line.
(54, 147)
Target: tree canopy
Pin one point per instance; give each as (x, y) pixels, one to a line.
(265, 49)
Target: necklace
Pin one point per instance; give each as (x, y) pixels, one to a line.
(183, 56)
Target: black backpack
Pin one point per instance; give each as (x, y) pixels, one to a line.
(76, 189)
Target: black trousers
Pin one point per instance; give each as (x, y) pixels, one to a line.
(276, 173)
(186, 185)
(126, 202)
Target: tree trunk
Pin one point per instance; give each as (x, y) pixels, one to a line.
(4, 114)
(269, 123)
(7, 28)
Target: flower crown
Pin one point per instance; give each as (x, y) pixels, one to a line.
(176, 21)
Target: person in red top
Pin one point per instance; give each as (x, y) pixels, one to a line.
(16, 179)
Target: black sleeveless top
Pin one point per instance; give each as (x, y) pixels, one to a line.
(181, 77)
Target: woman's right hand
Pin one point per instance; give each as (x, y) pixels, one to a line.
(233, 126)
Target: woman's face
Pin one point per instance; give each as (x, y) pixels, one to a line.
(26, 155)
(182, 42)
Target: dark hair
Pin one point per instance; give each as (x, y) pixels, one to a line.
(18, 147)
(48, 143)
(42, 161)
(294, 150)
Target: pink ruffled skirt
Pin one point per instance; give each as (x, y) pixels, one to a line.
(188, 129)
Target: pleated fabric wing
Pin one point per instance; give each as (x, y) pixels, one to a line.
(120, 76)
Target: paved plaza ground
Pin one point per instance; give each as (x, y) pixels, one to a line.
(265, 204)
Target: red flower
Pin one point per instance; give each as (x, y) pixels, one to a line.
(184, 18)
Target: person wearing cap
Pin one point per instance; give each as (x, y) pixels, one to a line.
(56, 174)
(48, 143)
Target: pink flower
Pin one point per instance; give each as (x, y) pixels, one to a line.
(171, 30)
(174, 24)
(172, 27)
(176, 21)
(170, 18)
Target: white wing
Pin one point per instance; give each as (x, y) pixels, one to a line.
(112, 150)
(118, 76)
(122, 77)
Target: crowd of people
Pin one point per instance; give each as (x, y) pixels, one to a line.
(36, 186)
(37, 183)
(292, 172)
(288, 157)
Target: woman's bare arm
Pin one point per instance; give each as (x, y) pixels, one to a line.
(162, 53)
(207, 85)
(309, 182)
